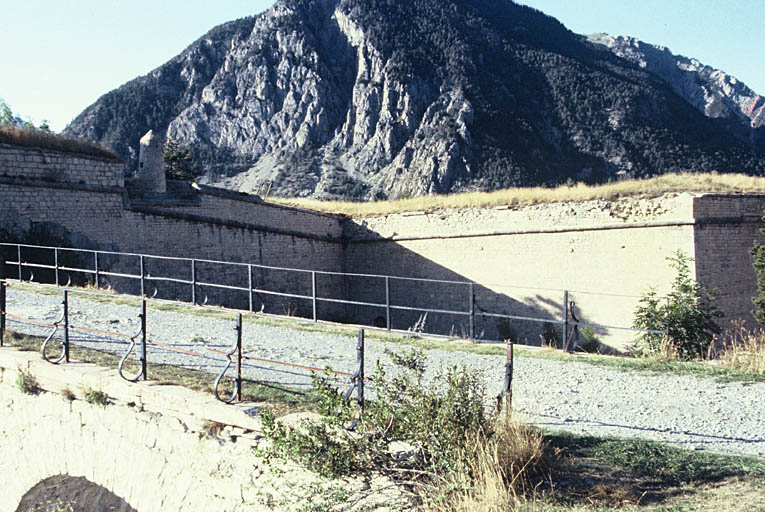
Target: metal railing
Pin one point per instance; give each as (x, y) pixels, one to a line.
(57, 266)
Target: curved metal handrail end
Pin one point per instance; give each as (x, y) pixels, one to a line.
(124, 358)
(219, 378)
(44, 348)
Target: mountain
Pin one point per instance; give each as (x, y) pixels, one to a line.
(370, 99)
(712, 91)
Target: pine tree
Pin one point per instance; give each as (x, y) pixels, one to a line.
(758, 261)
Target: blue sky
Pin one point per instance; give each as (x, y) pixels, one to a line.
(59, 56)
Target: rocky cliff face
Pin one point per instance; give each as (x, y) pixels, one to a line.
(712, 91)
(370, 99)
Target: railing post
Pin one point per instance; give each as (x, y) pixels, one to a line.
(55, 262)
(239, 356)
(95, 262)
(472, 311)
(66, 325)
(194, 282)
(360, 359)
(564, 342)
(143, 290)
(18, 259)
(249, 285)
(143, 339)
(387, 302)
(2, 301)
(313, 293)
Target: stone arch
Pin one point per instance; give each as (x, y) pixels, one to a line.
(75, 493)
(151, 461)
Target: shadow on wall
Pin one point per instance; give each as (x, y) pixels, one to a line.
(409, 299)
(71, 493)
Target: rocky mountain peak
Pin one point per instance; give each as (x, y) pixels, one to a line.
(370, 99)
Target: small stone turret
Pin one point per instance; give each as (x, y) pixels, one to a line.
(151, 163)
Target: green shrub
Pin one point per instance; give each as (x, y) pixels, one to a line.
(758, 261)
(26, 383)
(97, 397)
(687, 313)
(423, 434)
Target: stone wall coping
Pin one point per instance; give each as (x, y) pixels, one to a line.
(251, 198)
(231, 223)
(79, 377)
(69, 154)
(367, 238)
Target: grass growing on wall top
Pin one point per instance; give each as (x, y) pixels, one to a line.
(653, 187)
(48, 140)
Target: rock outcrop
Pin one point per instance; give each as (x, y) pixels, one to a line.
(374, 99)
(712, 91)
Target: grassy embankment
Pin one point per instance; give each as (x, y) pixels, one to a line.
(517, 197)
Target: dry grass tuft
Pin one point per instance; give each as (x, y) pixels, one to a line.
(47, 140)
(743, 349)
(501, 468)
(516, 197)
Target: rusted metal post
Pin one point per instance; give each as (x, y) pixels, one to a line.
(360, 359)
(143, 340)
(95, 268)
(564, 341)
(55, 263)
(507, 388)
(313, 293)
(2, 301)
(194, 282)
(143, 290)
(249, 285)
(387, 302)
(239, 356)
(472, 312)
(66, 325)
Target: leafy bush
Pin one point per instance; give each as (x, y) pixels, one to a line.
(26, 383)
(688, 314)
(96, 397)
(758, 261)
(423, 435)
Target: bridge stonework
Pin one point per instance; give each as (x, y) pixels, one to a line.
(156, 447)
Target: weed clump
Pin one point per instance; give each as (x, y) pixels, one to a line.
(26, 383)
(435, 439)
(96, 397)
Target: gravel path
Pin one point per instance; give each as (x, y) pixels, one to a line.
(702, 414)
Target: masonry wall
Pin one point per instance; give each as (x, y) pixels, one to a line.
(727, 227)
(95, 216)
(57, 166)
(606, 254)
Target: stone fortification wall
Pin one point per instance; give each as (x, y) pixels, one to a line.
(606, 254)
(213, 225)
(236, 206)
(57, 166)
(727, 226)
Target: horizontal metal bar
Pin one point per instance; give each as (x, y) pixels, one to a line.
(36, 265)
(354, 302)
(282, 294)
(119, 274)
(424, 310)
(528, 318)
(72, 269)
(169, 280)
(223, 286)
